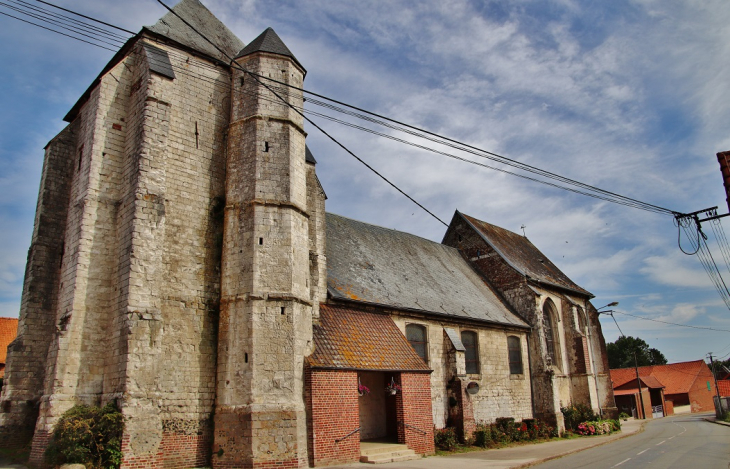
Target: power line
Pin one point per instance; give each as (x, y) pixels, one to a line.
(57, 32)
(360, 113)
(87, 17)
(233, 63)
(673, 323)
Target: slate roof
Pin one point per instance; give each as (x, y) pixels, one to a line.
(270, 42)
(376, 265)
(8, 332)
(308, 156)
(171, 27)
(522, 255)
(205, 22)
(357, 340)
(677, 378)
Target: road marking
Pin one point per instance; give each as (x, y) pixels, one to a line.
(629, 459)
(643, 452)
(661, 442)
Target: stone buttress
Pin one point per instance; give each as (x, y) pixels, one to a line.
(267, 292)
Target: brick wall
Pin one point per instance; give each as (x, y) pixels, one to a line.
(701, 398)
(415, 426)
(333, 409)
(176, 451)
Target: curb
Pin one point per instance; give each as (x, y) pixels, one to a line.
(714, 420)
(567, 453)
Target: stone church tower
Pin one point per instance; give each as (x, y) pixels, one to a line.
(268, 299)
(177, 259)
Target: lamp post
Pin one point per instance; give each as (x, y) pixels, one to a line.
(610, 313)
(593, 363)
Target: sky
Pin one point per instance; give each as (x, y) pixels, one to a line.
(623, 95)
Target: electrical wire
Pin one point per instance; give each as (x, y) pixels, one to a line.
(421, 133)
(304, 117)
(673, 323)
(703, 254)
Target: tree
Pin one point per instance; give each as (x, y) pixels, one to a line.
(720, 367)
(621, 353)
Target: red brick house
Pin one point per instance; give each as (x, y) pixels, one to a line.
(687, 386)
(723, 384)
(8, 332)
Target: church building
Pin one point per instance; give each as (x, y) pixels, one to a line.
(183, 266)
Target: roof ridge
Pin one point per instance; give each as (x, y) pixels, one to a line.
(390, 229)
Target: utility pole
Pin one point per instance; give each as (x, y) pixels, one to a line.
(714, 376)
(641, 396)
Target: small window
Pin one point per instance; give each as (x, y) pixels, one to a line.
(515, 355)
(417, 336)
(471, 355)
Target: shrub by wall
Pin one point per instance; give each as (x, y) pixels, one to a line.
(88, 435)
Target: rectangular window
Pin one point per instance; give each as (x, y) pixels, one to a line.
(515, 355)
(418, 338)
(471, 355)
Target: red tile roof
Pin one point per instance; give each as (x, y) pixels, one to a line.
(677, 378)
(646, 381)
(349, 339)
(724, 387)
(8, 332)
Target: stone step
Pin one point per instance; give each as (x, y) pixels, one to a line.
(389, 457)
(372, 448)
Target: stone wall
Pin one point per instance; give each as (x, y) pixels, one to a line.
(580, 371)
(140, 229)
(26, 360)
(501, 394)
(265, 327)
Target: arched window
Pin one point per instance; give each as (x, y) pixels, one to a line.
(471, 355)
(581, 320)
(515, 355)
(418, 337)
(548, 314)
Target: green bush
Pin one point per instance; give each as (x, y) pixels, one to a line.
(574, 415)
(88, 435)
(623, 416)
(445, 438)
(483, 435)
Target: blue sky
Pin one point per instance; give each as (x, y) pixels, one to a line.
(625, 95)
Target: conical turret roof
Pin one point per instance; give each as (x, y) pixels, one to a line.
(270, 42)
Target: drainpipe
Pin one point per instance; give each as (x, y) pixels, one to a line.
(529, 364)
(593, 363)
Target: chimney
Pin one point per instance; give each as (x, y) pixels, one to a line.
(724, 159)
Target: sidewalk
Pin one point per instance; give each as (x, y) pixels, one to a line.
(712, 419)
(504, 458)
(513, 457)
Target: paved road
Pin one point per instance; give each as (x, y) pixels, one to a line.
(681, 441)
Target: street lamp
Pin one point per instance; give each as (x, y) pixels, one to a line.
(610, 313)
